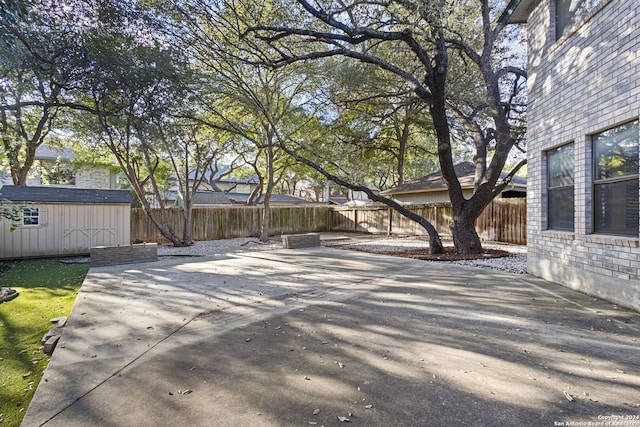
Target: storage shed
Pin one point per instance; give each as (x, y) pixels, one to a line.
(64, 221)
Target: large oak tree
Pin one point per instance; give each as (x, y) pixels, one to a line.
(430, 45)
(41, 65)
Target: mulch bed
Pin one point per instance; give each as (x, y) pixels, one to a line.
(448, 255)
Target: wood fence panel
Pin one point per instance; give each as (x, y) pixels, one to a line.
(228, 222)
(504, 220)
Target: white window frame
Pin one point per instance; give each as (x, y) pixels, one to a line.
(30, 210)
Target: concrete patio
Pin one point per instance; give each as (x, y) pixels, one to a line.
(325, 336)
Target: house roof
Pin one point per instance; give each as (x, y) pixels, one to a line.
(45, 152)
(434, 182)
(64, 195)
(517, 11)
(210, 198)
(275, 198)
(336, 200)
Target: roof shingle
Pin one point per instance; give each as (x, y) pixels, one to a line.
(64, 195)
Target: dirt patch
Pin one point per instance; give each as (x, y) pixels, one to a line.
(448, 255)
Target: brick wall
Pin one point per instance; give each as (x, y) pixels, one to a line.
(584, 83)
(126, 254)
(94, 177)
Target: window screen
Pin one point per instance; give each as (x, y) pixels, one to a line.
(615, 183)
(560, 188)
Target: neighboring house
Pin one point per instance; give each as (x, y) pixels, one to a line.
(225, 183)
(64, 221)
(246, 185)
(54, 167)
(583, 139)
(432, 188)
(338, 195)
(221, 186)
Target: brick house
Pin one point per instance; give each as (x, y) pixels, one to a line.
(55, 167)
(584, 102)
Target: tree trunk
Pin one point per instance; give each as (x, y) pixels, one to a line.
(186, 227)
(402, 136)
(266, 212)
(465, 237)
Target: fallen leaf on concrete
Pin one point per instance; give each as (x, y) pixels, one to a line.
(568, 396)
(316, 411)
(185, 391)
(344, 419)
(368, 406)
(307, 378)
(632, 405)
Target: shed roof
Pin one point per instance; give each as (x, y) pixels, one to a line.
(434, 182)
(64, 195)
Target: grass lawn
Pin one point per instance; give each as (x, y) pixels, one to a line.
(48, 289)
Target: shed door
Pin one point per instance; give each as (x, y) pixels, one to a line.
(86, 226)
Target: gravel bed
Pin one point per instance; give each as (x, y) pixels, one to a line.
(219, 247)
(516, 262)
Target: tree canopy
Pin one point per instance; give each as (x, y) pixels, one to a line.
(356, 91)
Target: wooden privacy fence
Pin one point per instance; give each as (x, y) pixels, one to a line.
(213, 223)
(504, 220)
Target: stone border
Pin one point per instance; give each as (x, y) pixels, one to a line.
(295, 241)
(11, 294)
(51, 338)
(128, 254)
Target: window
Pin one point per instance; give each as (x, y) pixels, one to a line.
(571, 13)
(30, 217)
(615, 181)
(560, 194)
